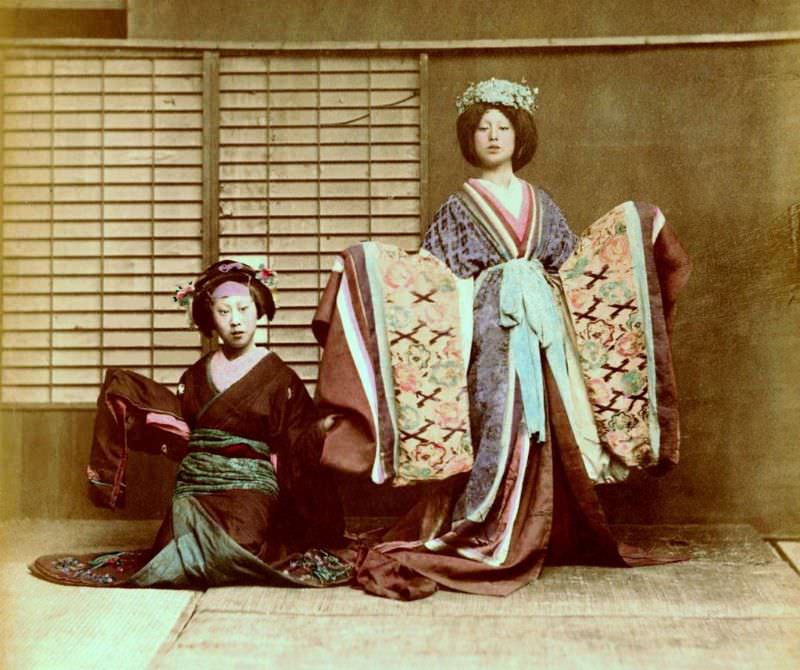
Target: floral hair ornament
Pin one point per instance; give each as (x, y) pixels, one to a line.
(183, 297)
(269, 278)
(499, 92)
(184, 294)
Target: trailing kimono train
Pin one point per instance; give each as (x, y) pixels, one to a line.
(519, 371)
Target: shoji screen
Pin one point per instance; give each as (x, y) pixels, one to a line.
(103, 198)
(102, 215)
(316, 154)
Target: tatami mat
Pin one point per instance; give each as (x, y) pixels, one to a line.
(386, 642)
(701, 587)
(56, 627)
(736, 604)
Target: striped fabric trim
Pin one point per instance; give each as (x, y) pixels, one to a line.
(497, 221)
(510, 222)
(495, 553)
(371, 254)
(636, 244)
(490, 221)
(366, 374)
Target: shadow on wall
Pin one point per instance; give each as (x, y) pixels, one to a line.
(54, 23)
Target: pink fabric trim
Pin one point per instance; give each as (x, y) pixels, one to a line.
(520, 226)
(168, 423)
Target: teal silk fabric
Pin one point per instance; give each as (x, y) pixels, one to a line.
(529, 311)
(201, 472)
(204, 471)
(209, 439)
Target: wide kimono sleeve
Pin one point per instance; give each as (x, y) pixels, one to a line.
(673, 268)
(133, 413)
(395, 329)
(313, 508)
(349, 445)
(620, 285)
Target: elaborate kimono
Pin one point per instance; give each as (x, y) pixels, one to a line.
(568, 380)
(251, 501)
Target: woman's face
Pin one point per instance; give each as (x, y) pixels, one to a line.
(494, 139)
(235, 319)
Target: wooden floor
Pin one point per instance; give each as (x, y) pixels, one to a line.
(736, 604)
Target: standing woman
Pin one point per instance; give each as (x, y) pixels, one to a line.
(546, 420)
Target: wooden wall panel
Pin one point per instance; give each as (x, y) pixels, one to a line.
(307, 22)
(104, 195)
(43, 469)
(115, 191)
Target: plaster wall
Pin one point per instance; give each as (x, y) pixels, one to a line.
(358, 20)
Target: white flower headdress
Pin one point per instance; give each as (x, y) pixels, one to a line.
(499, 92)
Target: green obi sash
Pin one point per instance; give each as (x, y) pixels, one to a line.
(204, 471)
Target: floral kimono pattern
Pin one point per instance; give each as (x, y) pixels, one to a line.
(619, 325)
(407, 322)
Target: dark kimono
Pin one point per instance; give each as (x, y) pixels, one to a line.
(568, 378)
(250, 500)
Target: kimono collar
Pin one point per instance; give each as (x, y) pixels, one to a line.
(500, 224)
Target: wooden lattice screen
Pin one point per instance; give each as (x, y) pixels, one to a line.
(123, 173)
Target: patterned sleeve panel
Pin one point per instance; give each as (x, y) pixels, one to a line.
(454, 238)
(558, 240)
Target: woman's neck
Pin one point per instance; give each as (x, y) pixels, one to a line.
(232, 354)
(500, 175)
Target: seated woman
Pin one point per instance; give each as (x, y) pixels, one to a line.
(240, 411)
(532, 361)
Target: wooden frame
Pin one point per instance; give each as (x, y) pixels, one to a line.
(426, 46)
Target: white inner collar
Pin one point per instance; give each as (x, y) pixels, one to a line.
(510, 196)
